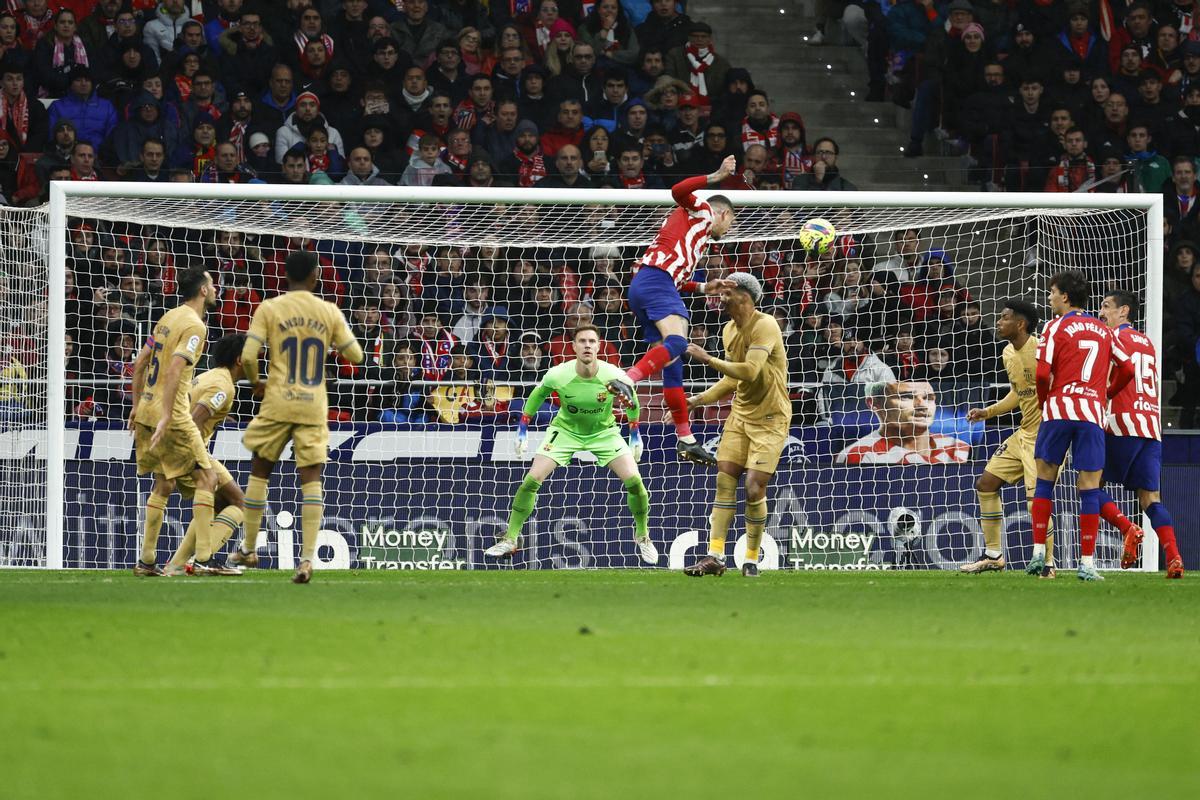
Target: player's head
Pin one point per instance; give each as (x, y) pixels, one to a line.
(1069, 289)
(301, 269)
(905, 409)
(196, 282)
(1118, 307)
(1016, 317)
(746, 291)
(226, 353)
(723, 215)
(586, 341)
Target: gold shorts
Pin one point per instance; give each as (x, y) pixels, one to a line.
(266, 438)
(1013, 461)
(181, 452)
(754, 445)
(187, 487)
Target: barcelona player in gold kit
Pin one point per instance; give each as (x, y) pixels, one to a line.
(168, 443)
(756, 431)
(298, 330)
(1013, 461)
(212, 398)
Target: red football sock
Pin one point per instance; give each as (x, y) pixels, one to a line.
(1040, 510)
(677, 401)
(652, 363)
(1166, 537)
(1113, 516)
(1089, 526)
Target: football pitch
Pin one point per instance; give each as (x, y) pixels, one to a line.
(598, 684)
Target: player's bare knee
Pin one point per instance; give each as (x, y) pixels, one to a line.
(756, 487)
(163, 486)
(205, 480)
(230, 494)
(1147, 498)
(988, 483)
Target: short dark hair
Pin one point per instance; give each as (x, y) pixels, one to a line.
(1122, 297)
(720, 201)
(227, 350)
(587, 326)
(1026, 311)
(300, 265)
(190, 282)
(837, 151)
(1074, 284)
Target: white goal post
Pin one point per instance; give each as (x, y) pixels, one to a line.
(1003, 245)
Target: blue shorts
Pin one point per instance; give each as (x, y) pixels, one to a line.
(1085, 440)
(653, 296)
(1132, 461)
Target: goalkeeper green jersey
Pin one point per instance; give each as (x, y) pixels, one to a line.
(585, 404)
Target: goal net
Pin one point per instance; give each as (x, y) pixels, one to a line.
(462, 301)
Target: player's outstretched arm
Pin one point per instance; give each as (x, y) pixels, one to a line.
(748, 370)
(713, 394)
(1001, 406)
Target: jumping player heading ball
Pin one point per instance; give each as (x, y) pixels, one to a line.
(666, 270)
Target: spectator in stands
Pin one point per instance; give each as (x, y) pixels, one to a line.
(249, 62)
(93, 117)
(362, 170)
(534, 104)
(145, 122)
(699, 65)
(536, 25)
(1029, 137)
(417, 33)
(1152, 169)
(229, 13)
(579, 80)
(506, 77)
(399, 399)
(1181, 208)
(152, 167)
(526, 163)
(558, 53)
(83, 162)
(986, 124)
(203, 98)
(824, 175)
(759, 125)
(665, 28)
(447, 73)
(1125, 78)
(567, 131)
(1078, 39)
(570, 173)
(1190, 67)
(496, 359)
(195, 155)
(479, 107)
(906, 255)
(24, 119)
(1075, 168)
(475, 308)
(729, 107)
(227, 168)
(608, 30)
(161, 32)
(609, 109)
(851, 361)
(631, 175)
(301, 122)
(1136, 31)
(57, 56)
(534, 362)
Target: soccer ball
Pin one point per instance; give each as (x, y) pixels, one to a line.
(817, 236)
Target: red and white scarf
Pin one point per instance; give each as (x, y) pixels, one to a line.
(459, 165)
(316, 162)
(698, 64)
(237, 137)
(301, 41)
(768, 138)
(17, 113)
(1065, 169)
(634, 183)
(795, 163)
(530, 168)
(78, 56)
(467, 115)
(543, 36)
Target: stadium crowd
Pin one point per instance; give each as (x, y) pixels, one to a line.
(1045, 96)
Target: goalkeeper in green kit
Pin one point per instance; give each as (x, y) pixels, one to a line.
(584, 422)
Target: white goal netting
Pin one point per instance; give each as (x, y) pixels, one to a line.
(461, 306)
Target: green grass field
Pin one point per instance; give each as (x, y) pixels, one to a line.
(598, 685)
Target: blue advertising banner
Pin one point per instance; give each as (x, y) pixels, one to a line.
(435, 498)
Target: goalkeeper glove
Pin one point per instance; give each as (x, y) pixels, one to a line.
(635, 441)
(522, 435)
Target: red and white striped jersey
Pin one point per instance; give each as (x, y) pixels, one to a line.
(1134, 411)
(1079, 350)
(875, 449)
(683, 237)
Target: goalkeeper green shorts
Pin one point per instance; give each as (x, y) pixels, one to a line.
(560, 445)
